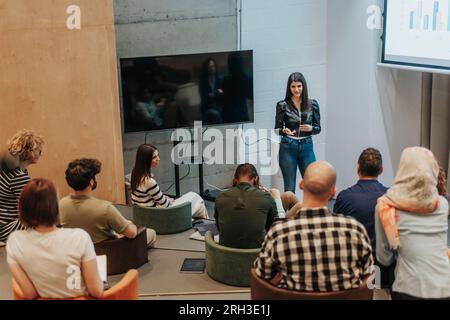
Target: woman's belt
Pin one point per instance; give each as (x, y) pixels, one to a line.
(298, 138)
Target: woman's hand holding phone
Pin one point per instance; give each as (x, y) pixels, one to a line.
(305, 128)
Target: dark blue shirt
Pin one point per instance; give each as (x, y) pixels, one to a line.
(359, 202)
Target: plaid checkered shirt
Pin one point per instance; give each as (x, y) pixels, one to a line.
(316, 251)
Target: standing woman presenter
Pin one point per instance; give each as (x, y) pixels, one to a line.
(297, 119)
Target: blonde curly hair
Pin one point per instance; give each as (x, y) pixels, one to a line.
(25, 145)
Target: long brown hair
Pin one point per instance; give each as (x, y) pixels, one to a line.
(298, 77)
(143, 164)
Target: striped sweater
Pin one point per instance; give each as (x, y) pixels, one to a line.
(148, 194)
(11, 185)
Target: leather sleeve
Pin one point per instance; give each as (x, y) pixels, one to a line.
(315, 117)
(279, 117)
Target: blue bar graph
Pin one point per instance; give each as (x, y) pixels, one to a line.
(411, 21)
(435, 13)
(434, 19)
(426, 22)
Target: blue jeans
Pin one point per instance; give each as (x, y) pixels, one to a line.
(293, 154)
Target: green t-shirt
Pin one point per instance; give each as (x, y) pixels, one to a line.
(97, 217)
(243, 215)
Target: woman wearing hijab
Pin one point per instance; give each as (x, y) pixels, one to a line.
(411, 226)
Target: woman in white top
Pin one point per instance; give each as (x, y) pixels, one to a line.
(411, 227)
(145, 190)
(46, 261)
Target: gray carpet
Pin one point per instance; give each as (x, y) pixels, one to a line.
(162, 276)
(180, 242)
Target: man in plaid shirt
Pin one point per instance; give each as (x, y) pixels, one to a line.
(316, 250)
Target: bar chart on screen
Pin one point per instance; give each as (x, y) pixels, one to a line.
(432, 16)
(417, 32)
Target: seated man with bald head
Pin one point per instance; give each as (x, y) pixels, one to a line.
(316, 250)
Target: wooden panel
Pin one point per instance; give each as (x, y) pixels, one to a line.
(63, 84)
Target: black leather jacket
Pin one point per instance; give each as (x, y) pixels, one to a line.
(287, 116)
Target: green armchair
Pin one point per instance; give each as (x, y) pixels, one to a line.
(170, 220)
(229, 265)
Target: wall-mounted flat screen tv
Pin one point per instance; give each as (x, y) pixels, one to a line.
(168, 92)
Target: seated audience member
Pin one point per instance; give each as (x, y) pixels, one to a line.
(411, 226)
(24, 149)
(359, 200)
(98, 217)
(45, 261)
(145, 191)
(244, 213)
(317, 250)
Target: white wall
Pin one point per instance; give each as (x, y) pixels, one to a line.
(368, 106)
(286, 36)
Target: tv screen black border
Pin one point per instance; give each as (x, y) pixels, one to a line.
(400, 63)
(121, 59)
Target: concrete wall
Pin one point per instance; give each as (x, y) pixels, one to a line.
(286, 36)
(154, 27)
(368, 106)
(63, 84)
